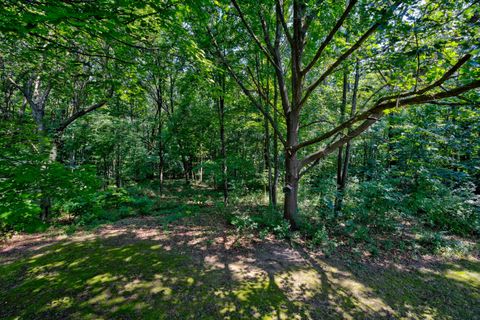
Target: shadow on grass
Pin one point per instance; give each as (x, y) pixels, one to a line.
(96, 279)
(193, 275)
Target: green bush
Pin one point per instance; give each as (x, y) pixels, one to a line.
(143, 205)
(282, 230)
(26, 178)
(244, 223)
(264, 221)
(114, 197)
(373, 206)
(441, 208)
(81, 205)
(320, 237)
(432, 241)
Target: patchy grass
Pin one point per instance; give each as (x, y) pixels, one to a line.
(195, 273)
(98, 279)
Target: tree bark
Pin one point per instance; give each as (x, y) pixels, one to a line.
(267, 159)
(275, 151)
(340, 157)
(223, 151)
(292, 166)
(37, 101)
(161, 160)
(343, 180)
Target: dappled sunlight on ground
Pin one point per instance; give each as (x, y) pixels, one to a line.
(468, 277)
(199, 269)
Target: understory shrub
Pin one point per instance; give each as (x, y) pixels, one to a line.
(373, 206)
(263, 222)
(243, 223)
(441, 208)
(27, 177)
(143, 205)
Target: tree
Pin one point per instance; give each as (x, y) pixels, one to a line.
(291, 27)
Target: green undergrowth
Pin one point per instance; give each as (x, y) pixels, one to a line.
(174, 202)
(408, 238)
(376, 234)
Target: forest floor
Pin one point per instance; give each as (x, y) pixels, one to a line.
(195, 266)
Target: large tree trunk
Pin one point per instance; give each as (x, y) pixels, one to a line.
(291, 189)
(37, 101)
(292, 164)
(291, 173)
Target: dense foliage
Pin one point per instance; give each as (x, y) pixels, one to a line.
(367, 111)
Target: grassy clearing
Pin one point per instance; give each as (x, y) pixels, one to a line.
(97, 279)
(126, 278)
(182, 262)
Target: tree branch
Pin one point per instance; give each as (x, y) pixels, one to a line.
(437, 83)
(266, 34)
(245, 90)
(279, 66)
(309, 19)
(364, 115)
(333, 66)
(322, 120)
(340, 142)
(77, 115)
(281, 17)
(344, 56)
(252, 34)
(258, 86)
(374, 114)
(330, 36)
(80, 52)
(252, 99)
(17, 86)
